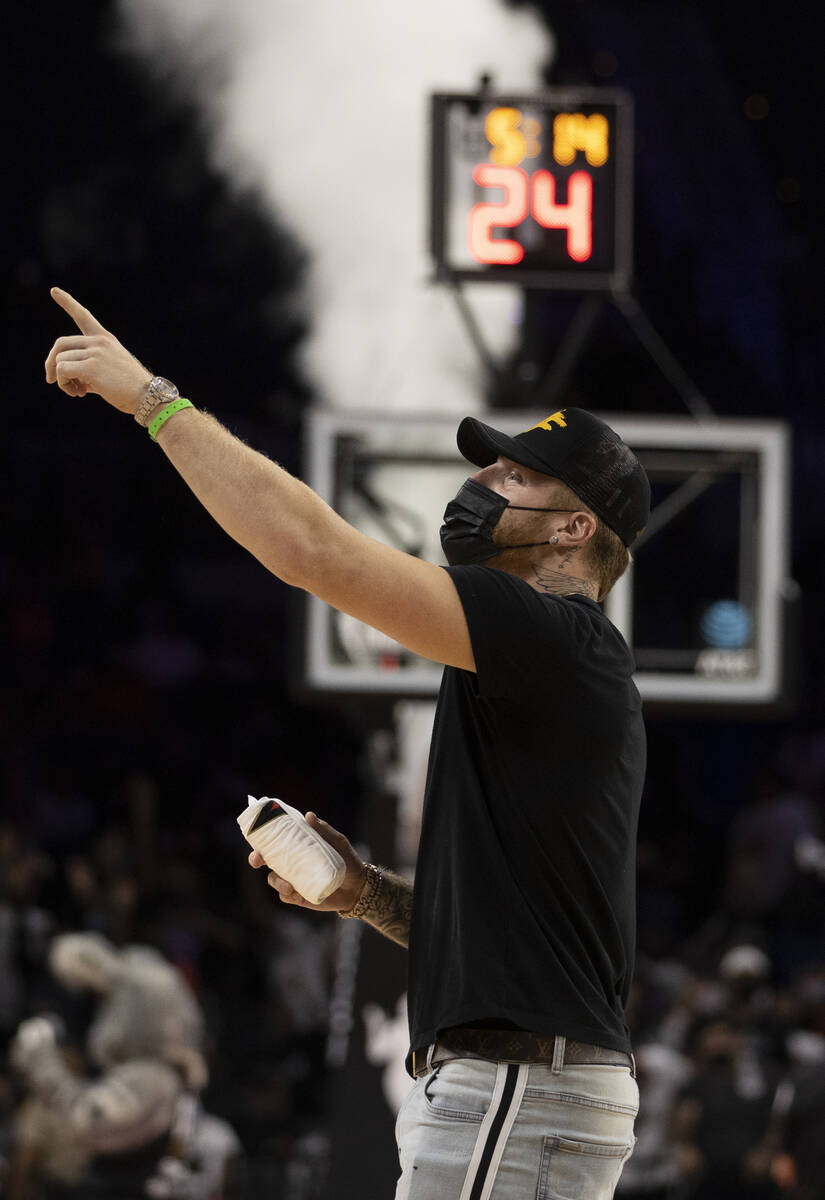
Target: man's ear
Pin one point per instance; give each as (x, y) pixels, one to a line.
(577, 530)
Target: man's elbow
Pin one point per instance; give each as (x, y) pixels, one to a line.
(299, 561)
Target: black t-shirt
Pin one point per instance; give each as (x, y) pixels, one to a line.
(524, 899)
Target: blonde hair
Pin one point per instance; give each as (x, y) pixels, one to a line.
(608, 555)
(606, 552)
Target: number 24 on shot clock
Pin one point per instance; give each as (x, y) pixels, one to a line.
(533, 190)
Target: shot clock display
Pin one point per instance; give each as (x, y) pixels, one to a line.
(534, 190)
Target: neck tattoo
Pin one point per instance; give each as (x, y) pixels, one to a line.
(548, 579)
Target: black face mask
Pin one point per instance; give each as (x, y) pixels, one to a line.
(469, 521)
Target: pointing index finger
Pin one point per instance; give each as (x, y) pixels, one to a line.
(81, 316)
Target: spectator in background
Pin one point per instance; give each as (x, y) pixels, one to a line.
(136, 1129)
(750, 1004)
(25, 929)
(761, 852)
(799, 1168)
(720, 1120)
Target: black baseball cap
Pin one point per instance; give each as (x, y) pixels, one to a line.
(582, 451)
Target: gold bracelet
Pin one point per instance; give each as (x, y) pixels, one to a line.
(369, 893)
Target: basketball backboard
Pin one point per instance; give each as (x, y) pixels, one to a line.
(703, 606)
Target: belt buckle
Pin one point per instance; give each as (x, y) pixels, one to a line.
(415, 1069)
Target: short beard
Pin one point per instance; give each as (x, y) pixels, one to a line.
(522, 527)
(514, 562)
(524, 561)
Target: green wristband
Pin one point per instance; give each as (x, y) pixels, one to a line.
(166, 413)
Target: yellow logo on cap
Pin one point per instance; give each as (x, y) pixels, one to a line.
(556, 418)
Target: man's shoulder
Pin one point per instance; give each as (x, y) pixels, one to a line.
(521, 635)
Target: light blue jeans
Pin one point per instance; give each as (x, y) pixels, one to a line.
(477, 1130)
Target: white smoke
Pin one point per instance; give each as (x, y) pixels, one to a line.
(323, 106)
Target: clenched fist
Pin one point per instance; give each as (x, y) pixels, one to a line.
(95, 361)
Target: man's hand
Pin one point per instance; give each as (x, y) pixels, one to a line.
(347, 893)
(94, 361)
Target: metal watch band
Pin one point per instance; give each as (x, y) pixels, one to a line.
(159, 391)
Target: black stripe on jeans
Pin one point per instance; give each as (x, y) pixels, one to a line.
(494, 1130)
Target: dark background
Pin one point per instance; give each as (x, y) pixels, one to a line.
(145, 685)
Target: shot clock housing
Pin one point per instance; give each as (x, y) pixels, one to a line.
(534, 190)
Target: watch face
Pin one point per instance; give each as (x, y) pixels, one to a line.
(163, 390)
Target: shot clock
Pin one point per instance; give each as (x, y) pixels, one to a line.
(533, 190)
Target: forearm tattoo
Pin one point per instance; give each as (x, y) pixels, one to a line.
(390, 910)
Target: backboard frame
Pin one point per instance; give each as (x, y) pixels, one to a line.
(726, 683)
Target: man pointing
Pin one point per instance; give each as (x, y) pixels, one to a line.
(521, 923)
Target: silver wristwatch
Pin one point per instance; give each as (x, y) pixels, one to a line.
(159, 391)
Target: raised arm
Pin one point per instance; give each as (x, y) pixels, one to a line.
(280, 520)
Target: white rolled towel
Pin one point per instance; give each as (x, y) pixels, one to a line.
(292, 849)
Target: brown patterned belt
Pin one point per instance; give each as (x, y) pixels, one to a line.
(514, 1045)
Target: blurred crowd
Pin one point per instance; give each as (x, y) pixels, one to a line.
(177, 1041)
(728, 1014)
